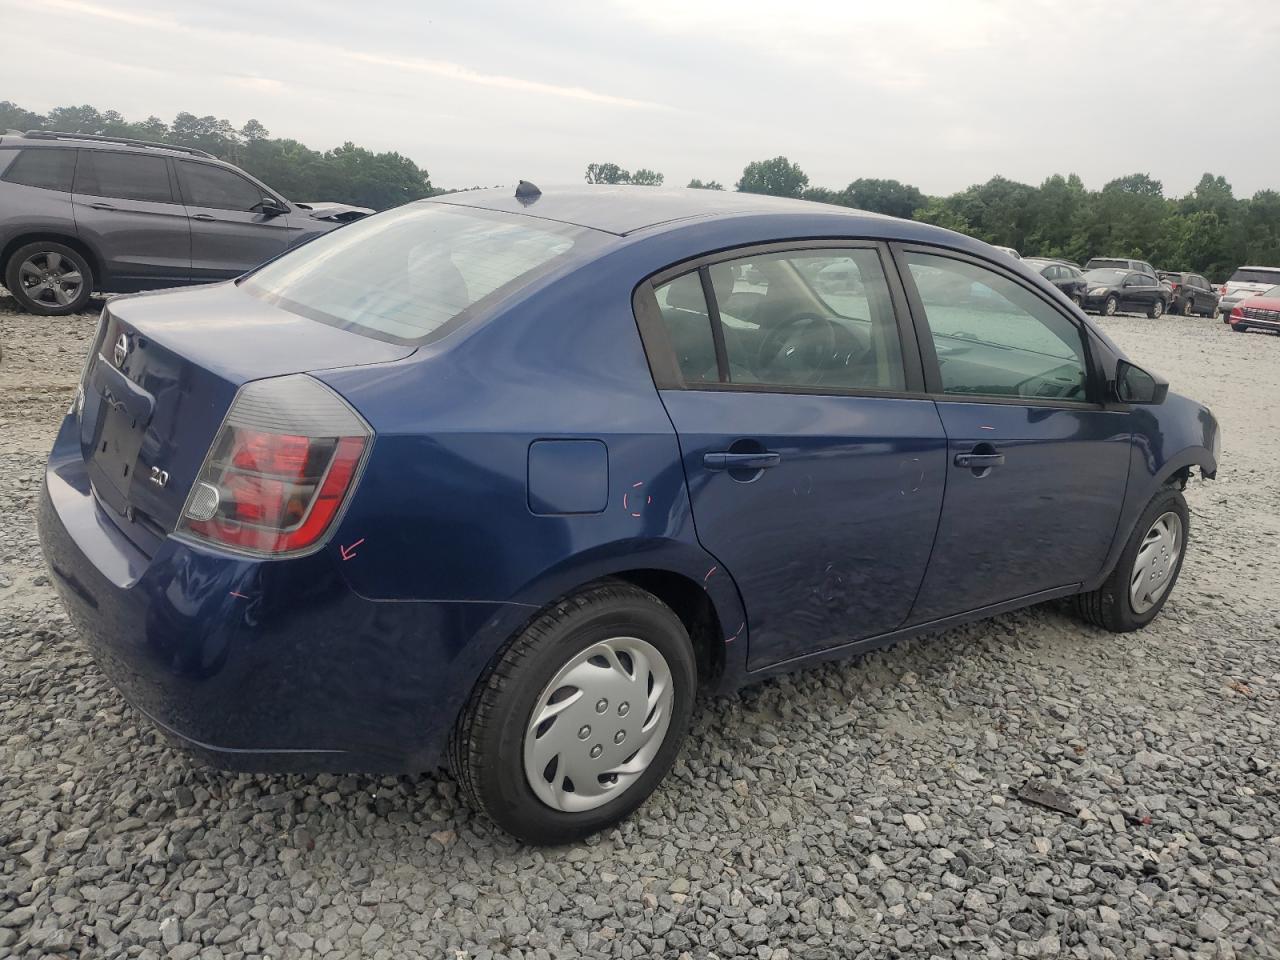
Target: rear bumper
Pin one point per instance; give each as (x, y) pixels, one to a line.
(261, 665)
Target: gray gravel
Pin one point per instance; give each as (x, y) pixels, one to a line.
(864, 809)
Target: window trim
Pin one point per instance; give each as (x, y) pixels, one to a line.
(661, 353)
(1095, 381)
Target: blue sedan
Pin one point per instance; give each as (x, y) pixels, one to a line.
(501, 480)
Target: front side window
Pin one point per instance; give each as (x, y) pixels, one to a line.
(48, 169)
(995, 338)
(123, 176)
(812, 319)
(204, 185)
(403, 275)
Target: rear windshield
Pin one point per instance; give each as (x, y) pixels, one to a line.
(1097, 263)
(1246, 275)
(410, 273)
(1106, 276)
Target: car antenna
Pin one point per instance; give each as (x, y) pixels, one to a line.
(527, 192)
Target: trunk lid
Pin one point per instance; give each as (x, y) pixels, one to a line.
(161, 378)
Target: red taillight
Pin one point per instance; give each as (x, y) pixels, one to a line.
(1237, 313)
(280, 469)
(1223, 290)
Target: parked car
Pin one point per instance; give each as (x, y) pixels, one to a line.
(1244, 283)
(1111, 291)
(1191, 294)
(80, 213)
(505, 479)
(1119, 263)
(1261, 312)
(1062, 275)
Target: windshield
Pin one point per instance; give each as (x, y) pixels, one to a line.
(1105, 276)
(1255, 275)
(1272, 294)
(406, 274)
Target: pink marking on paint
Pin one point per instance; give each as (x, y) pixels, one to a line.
(713, 569)
(635, 514)
(240, 595)
(624, 501)
(648, 500)
(742, 627)
(350, 551)
(986, 428)
(638, 483)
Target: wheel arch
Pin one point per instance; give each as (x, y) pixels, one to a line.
(54, 236)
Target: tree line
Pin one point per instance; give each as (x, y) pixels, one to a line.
(1208, 231)
(346, 174)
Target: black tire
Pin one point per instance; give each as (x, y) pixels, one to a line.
(1188, 308)
(487, 747)
(1156, 310)
(1110, 606)
(1239, 329)
(37, 302)
(1110, 306)
(1077, 300)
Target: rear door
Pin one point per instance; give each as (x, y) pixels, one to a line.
(230, 232)
(126, 209)
(1036, 468)
(814, 463)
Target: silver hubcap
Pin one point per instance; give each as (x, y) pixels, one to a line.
(48, 278)
(1111, 307)
(1158, 308)
(1157, 559)
(598, 724)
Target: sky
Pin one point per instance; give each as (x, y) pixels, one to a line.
(937, 93)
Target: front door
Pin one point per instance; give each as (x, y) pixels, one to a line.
(231, 232)
(124, 207)
(1036, 469)
(814, 464)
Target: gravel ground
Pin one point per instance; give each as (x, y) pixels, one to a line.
(864, 809)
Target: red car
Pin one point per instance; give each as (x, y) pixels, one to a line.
(1261, 312)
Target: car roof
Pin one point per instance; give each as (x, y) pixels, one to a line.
(39, 139)
(622, 210)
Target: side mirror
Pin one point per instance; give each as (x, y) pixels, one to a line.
(1135, 385)
(271, 207)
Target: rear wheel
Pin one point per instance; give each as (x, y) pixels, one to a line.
(580, 717)
(1144, 576)
(1156, 309)
(1077, 300)
(1188, 307)
(49, 278)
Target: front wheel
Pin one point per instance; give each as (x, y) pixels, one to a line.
(1144, 576)
(1110, 306)
(579, 718)
(1077, 300)
(1156, 310)
(1188, 308)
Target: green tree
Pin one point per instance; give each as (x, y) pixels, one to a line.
(607, 173)
(883, 196)
(13, 117)
(778, 177)
(697, 184)
(647, 178)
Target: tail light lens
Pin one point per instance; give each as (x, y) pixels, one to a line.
(280, 469)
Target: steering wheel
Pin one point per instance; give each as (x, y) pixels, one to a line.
(803, 348)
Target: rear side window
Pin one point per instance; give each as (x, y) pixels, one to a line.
(406, 274)
(204, 185)
(993, 337)
(49, 169)
(124, 176)
(688, 322)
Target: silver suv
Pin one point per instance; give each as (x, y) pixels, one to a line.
(80, 214)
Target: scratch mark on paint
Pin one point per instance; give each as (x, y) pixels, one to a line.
(985, 427)
(741, 627)
(239, 595)
(638, 483)
(713, 569)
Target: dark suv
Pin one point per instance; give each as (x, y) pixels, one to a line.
(1192, 294)
(81, 213)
